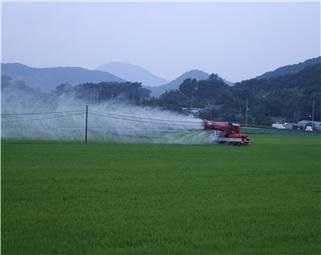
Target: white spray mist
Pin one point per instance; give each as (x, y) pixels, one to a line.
(38, 116)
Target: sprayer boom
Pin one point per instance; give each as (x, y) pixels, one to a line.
(229, 133)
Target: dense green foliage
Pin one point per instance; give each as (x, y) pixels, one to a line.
(288, 98)
(72, 198)
(103, 91)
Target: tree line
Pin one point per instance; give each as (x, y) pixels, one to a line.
(287, 98)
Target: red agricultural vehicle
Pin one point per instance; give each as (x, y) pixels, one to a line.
(229, 133)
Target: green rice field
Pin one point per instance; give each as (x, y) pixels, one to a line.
(108, 198)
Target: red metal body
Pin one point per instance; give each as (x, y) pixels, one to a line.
(229, 133)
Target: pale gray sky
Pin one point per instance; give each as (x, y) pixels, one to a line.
(235, 40)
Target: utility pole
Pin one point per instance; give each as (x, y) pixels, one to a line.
(86, 125)
(313, 110)
(246, 111)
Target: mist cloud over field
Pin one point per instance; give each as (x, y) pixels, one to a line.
(35, 115)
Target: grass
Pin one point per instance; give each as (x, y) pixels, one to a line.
(100, 198)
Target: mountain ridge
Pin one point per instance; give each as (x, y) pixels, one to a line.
(132, 73)
(47, 78)
(174, 84)
(289, 69)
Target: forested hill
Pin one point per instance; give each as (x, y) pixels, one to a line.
(193, 74)
(290, 69)
(288, 97)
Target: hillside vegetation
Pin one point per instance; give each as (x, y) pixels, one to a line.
(288, 97)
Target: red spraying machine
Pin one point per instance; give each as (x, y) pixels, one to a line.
(229, 133)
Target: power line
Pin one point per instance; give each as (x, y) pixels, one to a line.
(55, 117)
(137, 117)
(106, 114)
(66, 128)
(148, 121)
(133, 130)
(142, 119)
(37, 113)
(162, 126)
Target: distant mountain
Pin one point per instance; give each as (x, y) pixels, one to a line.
(289, 69)
(46, 79)
(193, 74)
(133, 73)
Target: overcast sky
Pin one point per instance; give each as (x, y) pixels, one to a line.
(235, 40)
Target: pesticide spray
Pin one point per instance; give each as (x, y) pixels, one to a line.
(45, 116)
